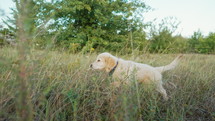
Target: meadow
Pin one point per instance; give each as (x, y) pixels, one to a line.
(61, 87)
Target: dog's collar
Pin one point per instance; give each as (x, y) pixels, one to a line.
(113, 69)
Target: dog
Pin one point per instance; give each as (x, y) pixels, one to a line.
(127, 71)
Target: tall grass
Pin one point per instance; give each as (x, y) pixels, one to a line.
(61, 87)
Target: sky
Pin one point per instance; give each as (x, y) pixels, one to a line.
(5, 5)
(193, 15)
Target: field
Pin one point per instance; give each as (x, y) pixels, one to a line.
(62, 87)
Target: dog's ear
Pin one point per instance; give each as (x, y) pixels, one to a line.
(110, 63)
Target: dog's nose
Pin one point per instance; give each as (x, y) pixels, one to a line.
(91, 65)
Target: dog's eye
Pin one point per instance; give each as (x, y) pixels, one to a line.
(98, 60)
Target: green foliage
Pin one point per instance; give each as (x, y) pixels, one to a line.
(5, 34)
(106, 25)
(161, 42)
(210, 41)
(194, 41)
(200, 44)
(94, 24)
(32, 24)
(162, 39)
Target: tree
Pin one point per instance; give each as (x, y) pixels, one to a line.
(33, 20)
(200, 44)
(94, 23)
(194, 41)
(161, 36)
(6, 37)
(207, 44)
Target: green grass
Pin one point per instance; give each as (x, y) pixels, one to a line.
(61, 87)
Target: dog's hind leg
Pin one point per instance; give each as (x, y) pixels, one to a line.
(161, 90)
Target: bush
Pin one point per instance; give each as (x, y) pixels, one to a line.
(200, 44)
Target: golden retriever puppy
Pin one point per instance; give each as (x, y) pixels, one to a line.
(127, 71)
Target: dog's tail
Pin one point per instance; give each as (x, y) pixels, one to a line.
(171, 65)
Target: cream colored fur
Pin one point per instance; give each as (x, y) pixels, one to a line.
(128, 70)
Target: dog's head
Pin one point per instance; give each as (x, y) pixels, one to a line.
(104, 61)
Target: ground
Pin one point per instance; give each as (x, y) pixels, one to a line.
(62, 87)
